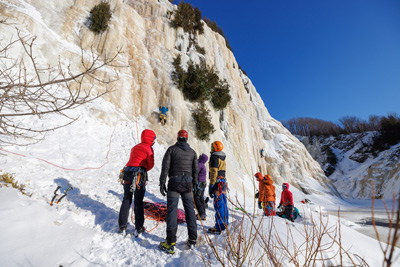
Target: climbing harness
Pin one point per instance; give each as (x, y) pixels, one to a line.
(135, 176)
(163, 119)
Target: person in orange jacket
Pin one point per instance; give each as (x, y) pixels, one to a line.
(266, 194)
(287, 202)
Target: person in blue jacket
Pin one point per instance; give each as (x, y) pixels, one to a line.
(163, 114)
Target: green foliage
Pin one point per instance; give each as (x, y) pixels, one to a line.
(188, 18)
(178, 74)
(7, 180)
(200, 49)
(203, 125)
(220, 95)
(100, 16)
(200, 83)
(193, 89)
(213, 26)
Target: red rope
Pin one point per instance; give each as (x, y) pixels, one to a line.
(69, 169)
(157, 212)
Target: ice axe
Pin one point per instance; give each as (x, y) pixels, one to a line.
(64, 194)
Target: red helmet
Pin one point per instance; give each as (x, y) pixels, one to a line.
(183, 134)
(217, 145)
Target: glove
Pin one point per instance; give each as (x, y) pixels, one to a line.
(280, 205)
(163, 189)
(211, 191)
(259, 205)
(195, 189)
(257, 195)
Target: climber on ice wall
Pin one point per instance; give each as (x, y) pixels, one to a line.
(163, 114)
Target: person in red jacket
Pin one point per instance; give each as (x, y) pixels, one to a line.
(287, 202)
(140, 162)
(266, 191)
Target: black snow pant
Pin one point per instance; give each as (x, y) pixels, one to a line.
(200, 203)
(289, 211)
(172, 215)
(138, 207)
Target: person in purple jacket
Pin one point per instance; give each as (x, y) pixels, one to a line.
(199, 193)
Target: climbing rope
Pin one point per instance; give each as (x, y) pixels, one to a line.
(156, 212)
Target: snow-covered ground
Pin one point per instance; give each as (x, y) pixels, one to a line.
(81, 229)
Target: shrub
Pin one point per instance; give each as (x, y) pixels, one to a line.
(7, 180)
(389, 133)
(220, 95)
(200, 49)
(203, 125)
(193, 89)
(390, 128)
(100, 16)
(200, 83)
(178, 74)
(188, 18)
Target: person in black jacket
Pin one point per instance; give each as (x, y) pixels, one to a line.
(181, 166)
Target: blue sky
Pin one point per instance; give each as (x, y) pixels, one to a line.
(323, 59)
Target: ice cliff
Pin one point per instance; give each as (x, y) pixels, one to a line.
(141, 29)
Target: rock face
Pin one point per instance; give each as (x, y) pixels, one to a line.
(354, 167)
(141, 28)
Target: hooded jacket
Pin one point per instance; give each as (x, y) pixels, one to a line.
(286, 196)
(142, 155)
(202, 167)
(179, 159)
(266, 188)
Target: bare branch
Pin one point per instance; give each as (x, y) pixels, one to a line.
(28, 89)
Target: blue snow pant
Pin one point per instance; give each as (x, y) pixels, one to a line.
(221, 212)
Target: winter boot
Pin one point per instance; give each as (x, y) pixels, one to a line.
(169, 248)
(191, 244)
(122, 229)
(214, 231)
(136, 233)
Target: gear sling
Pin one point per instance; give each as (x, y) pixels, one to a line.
(135, 176)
